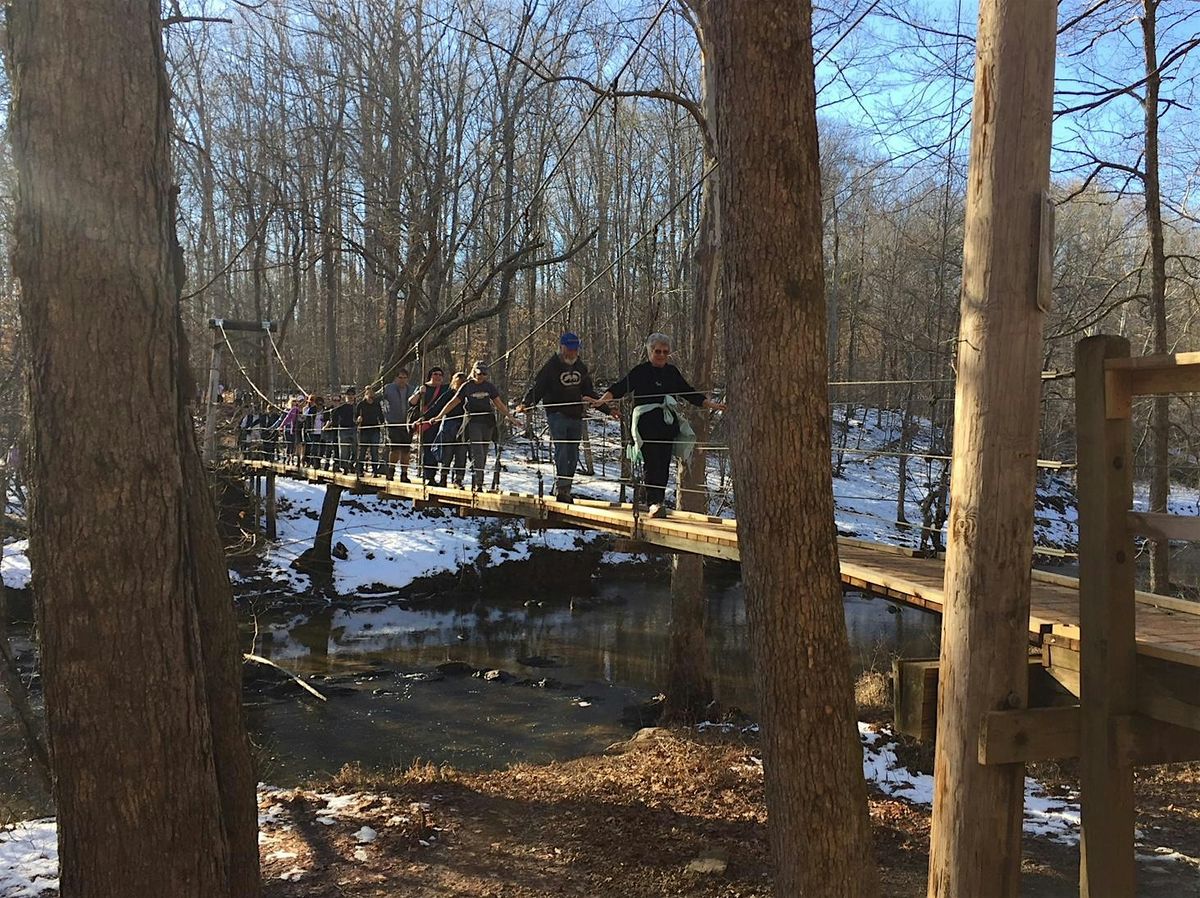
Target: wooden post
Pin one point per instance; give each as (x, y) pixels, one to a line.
(1108, 652)
(210, 418)
(319, 559)
(257, 504)
(975, 845)
(272, 529)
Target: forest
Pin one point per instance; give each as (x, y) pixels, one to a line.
(268, 645)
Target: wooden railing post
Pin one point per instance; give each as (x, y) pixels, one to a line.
(272, 530)
(1108, 688)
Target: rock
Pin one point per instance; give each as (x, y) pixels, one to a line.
(493, 676)
(647, 714)
(707, 865)
(455, 669)
(340, 551)
(640, 739)
(539, 661)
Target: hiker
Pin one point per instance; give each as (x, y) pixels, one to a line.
(482, 400)
(421, 405)
(659, 427)
(395, 412)
(270, 422)
(560, 386)
(290, 425)
(312, 425)
(451, 442)
(342, 421)
(369, 417)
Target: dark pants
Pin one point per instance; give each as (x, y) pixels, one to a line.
(429, 462)
(369, 440)
(656, 454)
(566, 432)
(452, 450)
(481, 431)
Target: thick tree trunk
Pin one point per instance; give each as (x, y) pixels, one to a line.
(154, 786)
(1160, 414)
(976, 840)
(773, 289)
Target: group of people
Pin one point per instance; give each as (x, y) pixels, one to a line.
(454, 422)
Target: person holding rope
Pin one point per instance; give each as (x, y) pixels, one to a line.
(561, 384)
(659, 427)
(343, 423)
(395, 400)
(482, 400)
(422, 405)
(451, 450)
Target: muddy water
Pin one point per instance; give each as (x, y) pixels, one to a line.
(570, 672)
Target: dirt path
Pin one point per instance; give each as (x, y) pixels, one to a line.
(675, 814)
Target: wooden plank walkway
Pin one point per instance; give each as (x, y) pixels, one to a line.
(1167, 629)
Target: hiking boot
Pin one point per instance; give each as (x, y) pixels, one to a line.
(657, 511)
(564, 496)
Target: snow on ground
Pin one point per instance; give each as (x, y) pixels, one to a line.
(15, 566)
(28, 858)
(1046, 816)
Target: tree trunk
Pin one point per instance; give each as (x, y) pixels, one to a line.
(773, 289)
(1160, 414)
(154, 786)
(976, 840)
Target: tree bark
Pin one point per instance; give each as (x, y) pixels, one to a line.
(153, 781)
(773, 290)
(976, 839)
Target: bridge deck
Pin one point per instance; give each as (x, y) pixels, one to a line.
(1167, 629)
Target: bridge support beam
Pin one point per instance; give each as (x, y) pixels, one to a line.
(975, 845)
(272, 531)
(319, 559)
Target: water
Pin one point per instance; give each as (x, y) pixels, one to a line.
(384, 712)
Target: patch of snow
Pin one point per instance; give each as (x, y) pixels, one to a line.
(366, 835)
(28, 858)
(15, 565)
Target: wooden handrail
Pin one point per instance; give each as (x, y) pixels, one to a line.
(1163, 526)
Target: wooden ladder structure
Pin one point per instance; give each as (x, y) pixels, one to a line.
(1131, 711)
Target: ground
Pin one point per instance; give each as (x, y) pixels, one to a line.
(669, 813)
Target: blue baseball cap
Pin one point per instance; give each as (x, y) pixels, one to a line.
(569, 340)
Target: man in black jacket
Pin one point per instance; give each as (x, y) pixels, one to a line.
(560, 386)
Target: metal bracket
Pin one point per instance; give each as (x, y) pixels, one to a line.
(1044, 295)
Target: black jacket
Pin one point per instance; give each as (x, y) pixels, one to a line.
(561, 387)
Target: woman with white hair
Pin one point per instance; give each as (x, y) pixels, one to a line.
(660, 429)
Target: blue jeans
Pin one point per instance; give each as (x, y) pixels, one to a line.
(566, 432)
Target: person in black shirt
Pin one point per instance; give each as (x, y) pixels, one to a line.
(423, 402)
(343, 429)
(368, 414)
(561, 385)
(451, 443)
(654, 383)
(481, 399)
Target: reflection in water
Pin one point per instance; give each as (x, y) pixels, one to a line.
(599, 658)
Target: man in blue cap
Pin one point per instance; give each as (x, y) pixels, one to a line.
(560, 386)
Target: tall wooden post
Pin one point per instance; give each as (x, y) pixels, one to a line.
(976, 840)
(1108, 650)
(319, 559)
(214, 380)
(272, 528)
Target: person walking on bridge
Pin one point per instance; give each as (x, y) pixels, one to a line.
(368, 414)
(561, 385)
(395, 403)
(422, 406)
(343, 423)
(482, 400)
(659, 427)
